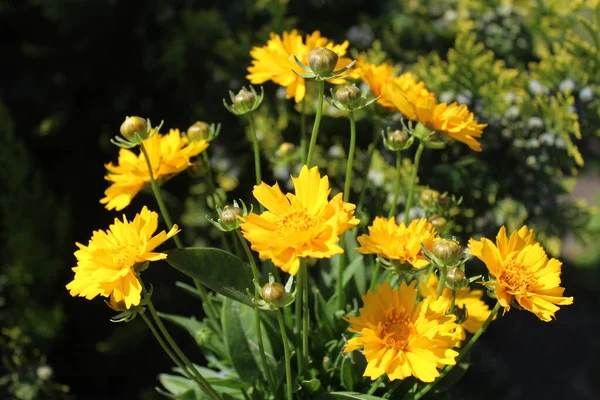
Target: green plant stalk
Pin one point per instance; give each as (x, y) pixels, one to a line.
(396, 184)
(286, 352)
(370, 152)
(315, 130)
(375, 275)
(442, 282)
(300, 290)
(305, 320)
(256, 148)
(413, 179)
(350, 161)
(452, 302)
(259, 338)
(462, 354)
(303, 137)
(188, 364)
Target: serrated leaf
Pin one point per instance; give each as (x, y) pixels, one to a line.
(215, 268)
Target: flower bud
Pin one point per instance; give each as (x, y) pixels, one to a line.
(421, 131)
(455, 276)
(199, 131)
(461, 314)
(203, 336)
(244, 98)
(429, 195)
(349, 96)
(446, 250)
(272, 292)
(396, 140)
(229, 216)
(444, 201)
(285, 148)
(322, 61)
(438, 222)
(133, 125)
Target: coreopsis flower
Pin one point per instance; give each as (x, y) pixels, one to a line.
(107, 265)
(522, 272)
(300, 225)
(275, 61)
(400, 337)
(399, 243)
(377, 77)
(416, 103)
(169, 155)
(477, 310)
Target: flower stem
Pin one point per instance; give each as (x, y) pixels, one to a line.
(392, 212)
(259, 338)
(452, 302)
(351, 151)
(303, 137)
(300, 288)
(305, 320)
(375, 275)
(442, 282)
(315, 130)
(413, 178)
(186, 362)
(370, 152)
(286, 352)
(256, 148)
(161, 204)
(462, 354)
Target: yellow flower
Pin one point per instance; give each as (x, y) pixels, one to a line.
(169, 155)
(522, 272)
(416, 103)
(105, 266)
(275, 61)
(400, 337)
(377, 77)
(300, 225)
(398, 242)
(477, 310)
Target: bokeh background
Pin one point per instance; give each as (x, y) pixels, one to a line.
(72, 70)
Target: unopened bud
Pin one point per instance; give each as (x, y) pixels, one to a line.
(444, 200)
(229, 216)
(455, 276)
(199, 131)
(244, 98)
(446, 250)
(322, 61)
(349, 96)
(272, 292)
(285, 148)
(396, 140)
(429, 195)
(133, 125)
(438, 222)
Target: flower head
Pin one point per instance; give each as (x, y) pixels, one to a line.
(169, 154)
(416, 103)
(377, 77)
(105, 266)
(275, 61)
(401, 337)
(399, 243)
(521, 271)
(300, 225)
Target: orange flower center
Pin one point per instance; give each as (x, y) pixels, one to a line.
(516, 277)
(396, 331)
(296, 221)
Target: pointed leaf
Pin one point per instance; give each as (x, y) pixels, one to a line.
(197, 329)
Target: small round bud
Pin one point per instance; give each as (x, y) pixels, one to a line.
(438, 222)
(446, 250)
(349, 96)
(133, 125)
(272, 292)
(285, 148)
(229, 216)
(429, 195)
(444, 200)
(203, 336)
(244, 98)
(396, 140)
(322, 61)
(199, 131)
(455, 276)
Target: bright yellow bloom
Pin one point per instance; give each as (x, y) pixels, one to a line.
(400, 337)
(377, 77)
(398, 242)
(522, 272)
(275, 61)
(105, 266)
(169, 155)
(305, 224)
(477, 310)
(416, 103)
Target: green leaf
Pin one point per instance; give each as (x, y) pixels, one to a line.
(356, 268)
(324, 318)
(312, 386)
(346, 376)
(182, 388)
(355, 395)
(236, 342)
(215, 268)
(201, 333)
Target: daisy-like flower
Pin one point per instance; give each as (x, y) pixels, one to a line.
(300, 225)
(377, 77)
(477, 310)
(521, 271)
(169, 155)
(416, 103)
(105, 266)
(400, 337)
(275, 61)
(399, 243)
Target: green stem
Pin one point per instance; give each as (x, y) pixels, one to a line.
(350, 157)
(286, 352)
(166, 348)
(370, 152)
(209, 180)
(300, 290)
(256, 148)
(211, 311)
(442, 282)
(303, 137)
(392, 212)
(413, 178)
(161, 204)
(452, 302)
(255, 275)
(462, 354)
(375, 385)
(305, 320)
(375, 275)
(188, 364)
(315, 130)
